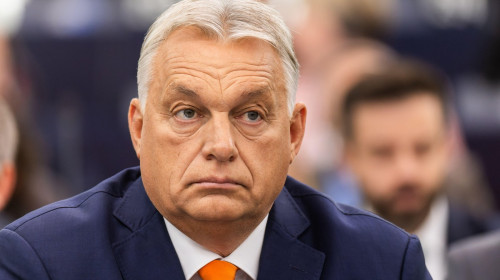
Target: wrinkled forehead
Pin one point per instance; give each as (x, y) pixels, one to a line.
(190, 51)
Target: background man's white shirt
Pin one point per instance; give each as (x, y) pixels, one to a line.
(433, 237)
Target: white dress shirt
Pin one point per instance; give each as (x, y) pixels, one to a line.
(432, 234)
(193, 256)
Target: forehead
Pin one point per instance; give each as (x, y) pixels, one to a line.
(419, 116)
(188, 53)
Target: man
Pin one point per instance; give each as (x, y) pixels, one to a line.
(475, 258)
(395, 125)
(8, 147)
(215, 128)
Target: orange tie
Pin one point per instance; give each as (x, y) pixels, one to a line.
(218, 270)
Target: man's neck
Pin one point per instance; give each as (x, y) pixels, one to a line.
(221, 238)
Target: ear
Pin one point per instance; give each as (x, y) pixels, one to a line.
(7, 183)
(135, 121)
(297, 129)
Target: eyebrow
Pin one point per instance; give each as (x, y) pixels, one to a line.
(250, 94)
(186, 91)
(254, 94)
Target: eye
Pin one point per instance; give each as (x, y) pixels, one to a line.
(382, 152)
(252, 116)
(186, 114)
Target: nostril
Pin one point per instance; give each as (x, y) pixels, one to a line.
(221, 154)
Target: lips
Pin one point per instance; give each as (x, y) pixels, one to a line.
(217, 182)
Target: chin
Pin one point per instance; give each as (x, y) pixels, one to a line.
(215, 216)
(219, 212)
(409, 205)
(408, 210)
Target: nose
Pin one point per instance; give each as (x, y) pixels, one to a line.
(408, 167)
(219, 144)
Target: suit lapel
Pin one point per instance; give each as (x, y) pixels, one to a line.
(283, 255)
(145, 251)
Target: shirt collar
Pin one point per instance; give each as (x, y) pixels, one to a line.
(432, 232)
(193, 256)
(432, 235)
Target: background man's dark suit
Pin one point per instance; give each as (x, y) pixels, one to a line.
(475, 258)
(462, 224)
(114, 232)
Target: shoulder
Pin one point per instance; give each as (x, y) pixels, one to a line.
(356, 240)
(353, 228)
(85, 207)
(322, 209)
(69, 235)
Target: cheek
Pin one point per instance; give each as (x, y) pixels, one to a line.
(157, 150)
(164, 159)
(376, 184)
(377, 181)
(372, 172)
(435, 172)
(268, 161)
(164, 146)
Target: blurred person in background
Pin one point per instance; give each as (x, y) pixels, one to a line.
(323, 28)
(475, 258)
(435, 31)
(34, 184)
(8, 148)
(354, 60)
(396, 127)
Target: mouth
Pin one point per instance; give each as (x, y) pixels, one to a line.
(217, 183)
(408, 192)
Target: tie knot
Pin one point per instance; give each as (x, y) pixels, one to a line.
(218, 270)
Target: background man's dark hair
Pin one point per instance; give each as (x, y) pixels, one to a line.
(397, 81)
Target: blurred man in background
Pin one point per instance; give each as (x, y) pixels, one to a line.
(396, 129)
(8, 147)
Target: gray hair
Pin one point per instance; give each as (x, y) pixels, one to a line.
(8, 134)
(222, 19)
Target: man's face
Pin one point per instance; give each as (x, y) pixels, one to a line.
(215, 140)
(398, 152)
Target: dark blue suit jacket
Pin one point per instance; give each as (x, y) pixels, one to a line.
(113, 231)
